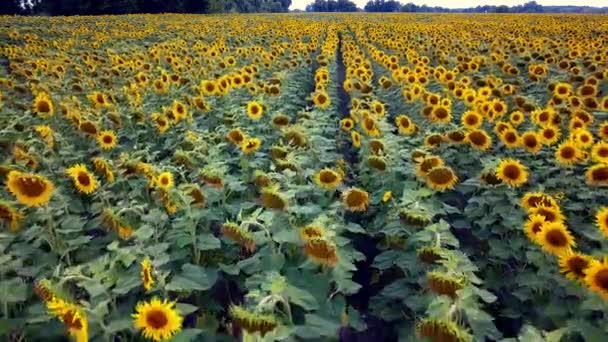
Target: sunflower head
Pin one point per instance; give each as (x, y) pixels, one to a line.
(146, 274)
(533, 199)
(597, 175)
(251, 145)
(479, 139)
(255, 110)
(321, 99)
(253, 322)
(574, 265)
(107, 140)
(443, 283)
(355, 199)
(311, 232)
(10, 216)
(442, 330)
(441, 178)
(328, 179)
(416, 217)
(512, 172)
(321, 251)
(601, 220)
(30, 189)
(271, 198)
(533, 226)
(550, 213)
(240, 235)
(568, 153)
(555, 238)
(596, 277)
(429, 255)
(296, 137)
(280, 120)
(164, 180)
(236, 136)
(158, 320)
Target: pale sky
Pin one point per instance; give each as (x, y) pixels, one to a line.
(301, 4)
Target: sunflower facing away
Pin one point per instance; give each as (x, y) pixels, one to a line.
(29, 189)
(442, 330)
(253, 322)
(146, 274)
(328, 179)
(84, 181)
(555, 238)
(158, 320)
(596, 277)
(355, 199)
(512, 172)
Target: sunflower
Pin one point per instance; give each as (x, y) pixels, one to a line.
(240, 235)
(43, 105)
(549, 135)
(29, 189)
(533, 199)
(236, 136)
(280, 120)
(146, 274)
(321, 251)
(47, 134)
(11, 216)
(107, 140)
(510, 138)
(479, 139)
(441, 178)
(355, 199)
(253, 322)
(161, 121)
(602, 130)
(347, 124)
(516, 118)
(533, 226)
(405, 125)
(83, 180)
(254, 110)
(512, 172)
(597, 175)
(311, 232)
(387, 196)
(599, 152)
(568, 153)
(429, 255)
(596, 277)
(271, 198)
(601, 220)
(72, 316)
(328, 179)
(355, 139)
(426, 164)
(164, 181)
(574, 265)
(209, 88)
(157, 319)
(443, 283)
(441, 115)
(103, 166)
(471, 120)
(251, 145)
(321, 99)
(442, 330)
(555, 238)
(370, 126)
(583, 138)
(531, 142)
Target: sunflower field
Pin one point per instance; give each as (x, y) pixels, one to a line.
(304, 177)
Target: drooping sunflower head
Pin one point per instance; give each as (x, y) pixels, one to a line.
(512, 172)
(596, 277)
(441, 178)
(355, 139)
(271, 198)
(433, 140)
(597, 175)
(236, 136)
(240, 235)
(43, 105)
(29, 189)
(405, 125)
(103, 166)
(328, 179)
(443, 283)
(280, 120)
(377, 162)
(10, 216)
(534, 199)
(455, 136)
(555, 238)
(311, 232)
(574, 265)
(158, 320)
(377, 147)
(430, 254)
(355, 199)
(442, 330)
(253, 322)
(321, 251)
(295, 136)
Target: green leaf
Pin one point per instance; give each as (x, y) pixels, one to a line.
(207, 242)
(193, 277)
(185, 309)
(187, 335)
(119, 325)
(301, 297)
(13, 291)
(317, 326)
(93, 287)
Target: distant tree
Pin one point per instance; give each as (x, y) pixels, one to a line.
(502, 9)
(409, 7)
(332, 6)
(382, 6)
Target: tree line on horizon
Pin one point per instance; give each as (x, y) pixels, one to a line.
(96, 7)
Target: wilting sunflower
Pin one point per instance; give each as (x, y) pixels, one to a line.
(599, 152)
(146, 274)
(596, 277)
(568, 153)
(597, 175)
(555, 238)
(321, 99)
(355, 199)
(479, 139)
(550, 213)
(164, 180)
(443, 283)
(240, 235)
(533, 226)
(441, 178)
(271, 198)
(533, 199)
(84, 181)
(512, 172)
(321, 251)
(158, 320)
(601, 220)
(253, 322)
(10, 215)
(107, 140)
(442, 330)
(251, 145)
(328, 179)
(255, 110)
(29, 189)
(280, 120)
(574, 265)
(103, 166)
(236, 136)
(429, 255)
